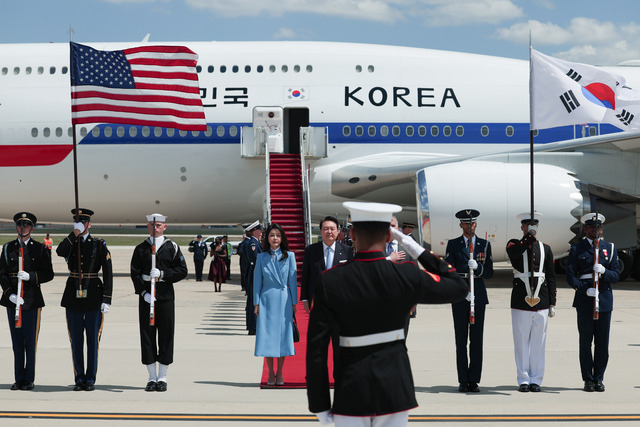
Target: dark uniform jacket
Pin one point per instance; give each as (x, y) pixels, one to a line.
(251, 250)
(199, 249)
(37, 262)
(580, 262)
(94, 256)
(169, 260)
(458, 256)
(371, 295)
(547, 294)
(313, 266)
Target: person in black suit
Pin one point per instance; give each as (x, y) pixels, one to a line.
(369, 298)
(580, 270)
(470, 369)
(36, 270)
(199, 249)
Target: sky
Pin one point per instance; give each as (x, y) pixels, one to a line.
(589, 31)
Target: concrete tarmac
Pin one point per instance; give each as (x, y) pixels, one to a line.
(215, 377)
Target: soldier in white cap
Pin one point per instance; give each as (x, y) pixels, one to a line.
(368, 300)
(582, 272)
(532, 301)
(156, 340)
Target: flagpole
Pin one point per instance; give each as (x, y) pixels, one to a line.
(531, 188)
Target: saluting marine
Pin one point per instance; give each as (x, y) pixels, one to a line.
(36, 269)
(581, 268)
(468, 324)
(86, 298)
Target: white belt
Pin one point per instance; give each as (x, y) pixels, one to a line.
(372, 339)
(588, 276)
(147, 278)
(519, 275)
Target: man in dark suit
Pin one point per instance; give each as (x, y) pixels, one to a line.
(581, 268)
(251, 250)
(470, 369)
(36, 270)
(369, 298)
(200, 250)
(315, 258)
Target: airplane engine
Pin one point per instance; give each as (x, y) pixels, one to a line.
(500, 191)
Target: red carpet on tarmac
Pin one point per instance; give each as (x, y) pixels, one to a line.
(295, 366)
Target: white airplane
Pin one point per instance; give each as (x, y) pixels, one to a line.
(430, 130)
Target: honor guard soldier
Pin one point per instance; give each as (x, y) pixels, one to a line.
(532, 301)
(86, 298)
(368, 300)
(199, 249)
(251, 250)
(471, 256)
(592, 276)
(156, 264)
(24, 265)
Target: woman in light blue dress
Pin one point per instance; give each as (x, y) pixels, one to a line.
(276, 292)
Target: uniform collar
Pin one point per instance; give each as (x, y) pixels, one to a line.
(369, 255)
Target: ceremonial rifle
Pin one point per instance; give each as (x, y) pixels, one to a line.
(472, 311)
(596, 278)
(20, 293)
(152, 303)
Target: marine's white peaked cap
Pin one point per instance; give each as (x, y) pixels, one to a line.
(158, 217)
(526, 217)
(375, 212)
(592, 219)
(252, 226)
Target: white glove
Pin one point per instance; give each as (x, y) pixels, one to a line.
(147, 297)
(591, 292)
(468, 297)
(473, 264)
(155, 273)
(78, 226)
(325, 417)
(24, 276)
(598, 269)
(104, 308)
(14, 299)
(552, 310)
(412, 247)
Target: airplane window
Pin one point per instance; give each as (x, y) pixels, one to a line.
(5, 71)
(371, 69)
(16, 70)
(359, 131)
(309, 68)
(535, 132)
(233, 131)
(260, 68)
(52, 70)
(182, 133)
(146, 131)
(195, 133)
(422, 131)
(28, 70)
(446, 131)
(58, 132)
(272, 68)
(157, 131)
(435, 131)
(296, 68)
(223, 68)
(484, 131)
(171, 132)
(285, 68)
(235, 68)
(65, 70)
(198, 69)
(70, 132)
(247, 68)
(120, 131)
(83, 132)
(34, 132)
(372, 131)
(593, 131)
(108, 131)
(509, 130)
(95, 132)
(220, 131)
(46, 132)
(395, 130)
(208, 132)
(133, 131)
(210, 69)
(459, 130)
(409, 130)
(40, 70)
(384, 130)
(358, 68)
(346, 130)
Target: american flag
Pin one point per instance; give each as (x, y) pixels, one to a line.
(147, 86)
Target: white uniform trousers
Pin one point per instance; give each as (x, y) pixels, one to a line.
(391, 420)
(529, 340)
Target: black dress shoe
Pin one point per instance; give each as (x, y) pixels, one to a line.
(463, 388)
(151, 386)
(28, 386)
(523, 388)
(161, 386)
(79, 387)
(252, 332)
(89, 387)
(473, 388)
(589, 386)
(599, 386)
(16, 386)
(534, 388)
